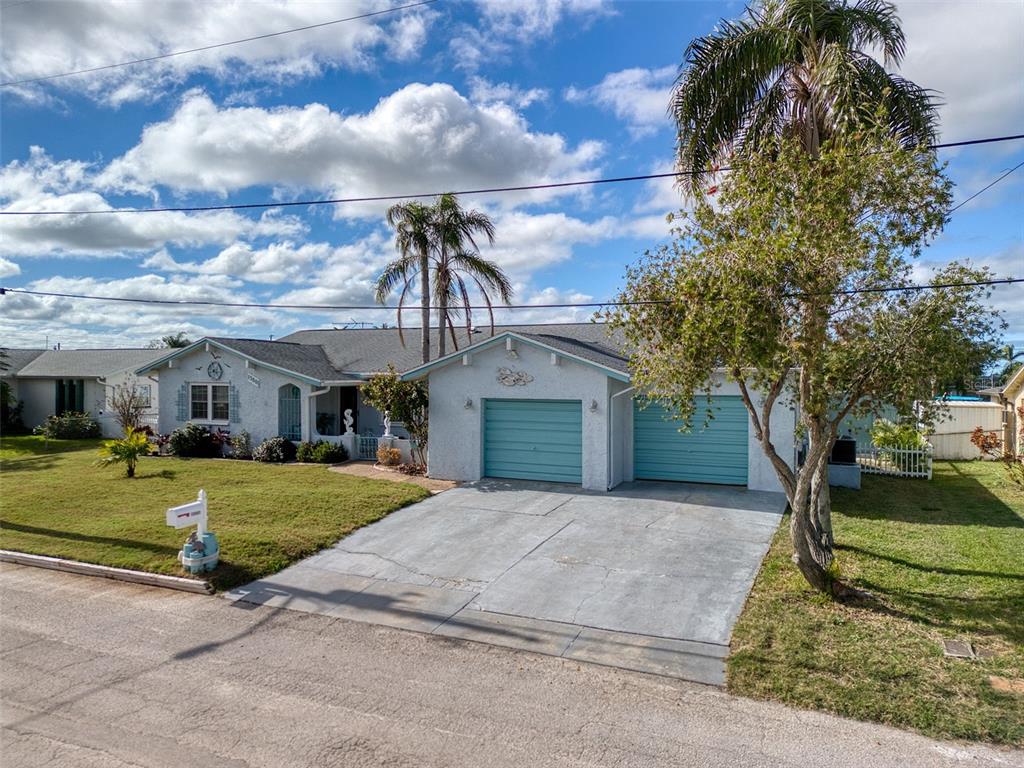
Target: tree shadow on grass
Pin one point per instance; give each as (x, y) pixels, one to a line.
(955, 498)
(31, 463)
(163, 474)
(149, 546)
(929, 568)
(989, 615)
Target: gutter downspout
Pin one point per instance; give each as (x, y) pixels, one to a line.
(611, 431)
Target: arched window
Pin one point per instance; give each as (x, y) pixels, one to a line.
(289, 412)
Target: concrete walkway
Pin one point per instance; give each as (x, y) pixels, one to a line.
(649, 577)
(108, 675)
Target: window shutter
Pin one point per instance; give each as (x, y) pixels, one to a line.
(183, 404)
(234, 407)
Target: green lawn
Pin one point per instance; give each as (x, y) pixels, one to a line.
(55, 501)
(944, 559)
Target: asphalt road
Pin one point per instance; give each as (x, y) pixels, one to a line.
(99, 673)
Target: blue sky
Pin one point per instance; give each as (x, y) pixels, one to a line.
(454, 95)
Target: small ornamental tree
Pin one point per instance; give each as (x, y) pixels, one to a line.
(784, 285)
(403, 401)
(129, 403)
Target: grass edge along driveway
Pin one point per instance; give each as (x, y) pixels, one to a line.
(945, 559)
(55, 501)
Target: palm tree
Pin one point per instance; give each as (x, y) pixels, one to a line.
(794, 68)
(457, 254)
(438, 244)
(414, 234)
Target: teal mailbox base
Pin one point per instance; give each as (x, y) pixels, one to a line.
(198, 555)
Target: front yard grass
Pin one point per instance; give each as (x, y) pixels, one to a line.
(55, 501)
(944, 559)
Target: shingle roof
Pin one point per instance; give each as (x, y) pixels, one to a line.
(16, 359)
(363, 351)
(87, 363)
(306, 359)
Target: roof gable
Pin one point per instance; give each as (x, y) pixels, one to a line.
(592, 357)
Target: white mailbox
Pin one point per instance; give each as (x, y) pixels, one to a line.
(193, 513)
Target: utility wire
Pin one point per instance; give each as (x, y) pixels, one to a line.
(567, 305)
(383, 198)
(988, 186)
(28, 80)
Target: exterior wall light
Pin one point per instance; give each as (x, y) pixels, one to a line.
(468, 405)
(593, 406)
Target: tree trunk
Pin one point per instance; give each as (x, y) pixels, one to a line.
(425, 306)
(810, 553)
(131, 470)
(442, 302)
(821, 505)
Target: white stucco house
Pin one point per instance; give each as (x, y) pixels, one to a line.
(53, 381)
(556, 403)
(542, 402)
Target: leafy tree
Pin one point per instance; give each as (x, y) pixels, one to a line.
(783, 284)
(438, 245)
(403, 401)
(171, 341)
(125, 451)
(794, 68)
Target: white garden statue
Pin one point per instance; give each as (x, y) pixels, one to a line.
(387, 424)
(348, 421)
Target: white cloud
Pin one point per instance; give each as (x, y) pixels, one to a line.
(527, 242)
(276, 263)
(972, 54)
(548, 295)
(8, 268)
(422, 137)
(26, 320)
(482, 91)
(41, 184)
(505, 22)
(639, 97)
(44, 38)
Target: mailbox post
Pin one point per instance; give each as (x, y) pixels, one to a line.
(201, 550)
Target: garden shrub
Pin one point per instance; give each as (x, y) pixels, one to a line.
(888, 434)
(69, 426)
(389, 457)
(321, 452)
(275, 450)
(241, 445)
(193, 441)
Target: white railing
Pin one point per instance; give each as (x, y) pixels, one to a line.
(898, 462)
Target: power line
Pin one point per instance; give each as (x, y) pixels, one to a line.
(386, 198)
(28, 80)
(566, 305)
(988, 186)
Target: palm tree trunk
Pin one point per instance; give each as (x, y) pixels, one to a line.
(442, 301)
(425, 306)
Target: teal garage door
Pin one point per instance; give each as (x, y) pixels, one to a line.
(715, 454)
(534, 440)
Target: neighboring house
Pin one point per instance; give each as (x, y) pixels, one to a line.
(15, 360)
(55, 381)
(547, 402)
(1010, 397)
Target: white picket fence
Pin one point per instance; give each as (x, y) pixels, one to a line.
(898, 462)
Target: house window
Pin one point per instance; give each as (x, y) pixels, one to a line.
(210, 402)
(145, 394)
(70, 396)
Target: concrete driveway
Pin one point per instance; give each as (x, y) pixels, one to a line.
(651, 576)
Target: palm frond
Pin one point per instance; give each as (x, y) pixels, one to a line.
(396, 273)
(486, 272)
